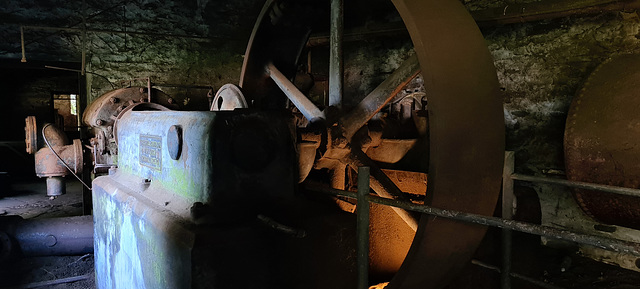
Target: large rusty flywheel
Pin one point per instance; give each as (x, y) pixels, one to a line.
(466, 124)
(602, 140)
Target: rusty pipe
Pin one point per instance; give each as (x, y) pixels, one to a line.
(55, 135)
(48, 165)
(46, 237)
(57, 159)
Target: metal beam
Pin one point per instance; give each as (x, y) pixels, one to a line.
(336, 67)
(363, 228)
(379, 97)
(595, 241)
(306, 107)
(382, 185)
(580, 185)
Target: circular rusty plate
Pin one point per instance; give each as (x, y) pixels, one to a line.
(466, 120)
(602, 140)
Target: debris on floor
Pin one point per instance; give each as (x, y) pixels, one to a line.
(30, 201)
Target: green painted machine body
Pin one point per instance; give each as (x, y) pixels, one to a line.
(163, 216)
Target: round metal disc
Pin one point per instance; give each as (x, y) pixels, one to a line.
(228, 97)
(602, 140)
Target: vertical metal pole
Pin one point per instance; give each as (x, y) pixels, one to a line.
(363, 228)
(84, 37)
(336, 67)
(149, 89)
(24, 57)
(508, 199)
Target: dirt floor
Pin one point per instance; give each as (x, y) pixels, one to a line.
(555, 267)
(29, 200)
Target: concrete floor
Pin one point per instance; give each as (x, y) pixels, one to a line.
(29, 200)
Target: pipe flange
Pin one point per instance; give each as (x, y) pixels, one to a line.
(78, 156)
(31, 134)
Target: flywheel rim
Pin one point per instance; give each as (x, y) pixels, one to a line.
(466, 126)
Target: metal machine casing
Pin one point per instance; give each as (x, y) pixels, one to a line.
(154, 211)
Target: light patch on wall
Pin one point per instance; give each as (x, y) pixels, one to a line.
(66, 111)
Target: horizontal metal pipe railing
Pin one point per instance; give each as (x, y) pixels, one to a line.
(596, 241)
(580, 185)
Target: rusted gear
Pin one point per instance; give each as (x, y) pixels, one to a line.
(602, 138)
(465, 118)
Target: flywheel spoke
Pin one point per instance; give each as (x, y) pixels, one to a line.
(379, 97)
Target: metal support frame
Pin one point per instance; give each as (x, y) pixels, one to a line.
(363, 197)
(363, 228)
(336, 66)
(546, 231)
(580, 185)
(508, 200)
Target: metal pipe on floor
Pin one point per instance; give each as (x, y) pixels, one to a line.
(595, 241)
(363, 228)
(46, 237)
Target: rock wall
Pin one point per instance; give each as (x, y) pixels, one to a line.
(184, 46)
(541, 66)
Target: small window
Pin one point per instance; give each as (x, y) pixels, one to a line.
(66, 111)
